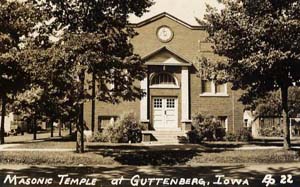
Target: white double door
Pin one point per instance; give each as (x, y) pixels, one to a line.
(165, 113)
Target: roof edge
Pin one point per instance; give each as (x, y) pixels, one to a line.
(146, 57)
(165, 14)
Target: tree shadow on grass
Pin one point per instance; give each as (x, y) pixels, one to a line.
(222, 145)
(152, 155)
(272, 144)
(105, 174)
(140, 154)
(273, 141)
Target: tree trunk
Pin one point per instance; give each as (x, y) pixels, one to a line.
(59, 128)
(52, 128)
(34, 127)
(3, 113)
(70, 128)
(80, 133)
(93, 104)
(285, 116)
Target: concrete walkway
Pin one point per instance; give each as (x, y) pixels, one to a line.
(10, 147)
(16, 147)
(37, 150)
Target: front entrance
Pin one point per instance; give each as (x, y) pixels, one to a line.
(165, 113)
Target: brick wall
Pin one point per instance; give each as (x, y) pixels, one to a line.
(217, 105)
(107, 109)
(190, 44)
(184, 41)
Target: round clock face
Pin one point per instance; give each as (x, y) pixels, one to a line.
(165, 34)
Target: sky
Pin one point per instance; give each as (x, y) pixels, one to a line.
(186, 10)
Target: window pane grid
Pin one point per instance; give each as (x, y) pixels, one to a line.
(170, 103)
(157, 103)
(163, 79)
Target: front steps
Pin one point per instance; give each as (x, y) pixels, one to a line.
(167, 137)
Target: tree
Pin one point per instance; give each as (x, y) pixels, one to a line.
(261, 42)
(270, 104)
(96, 40)
(52, 93)
(16, 20)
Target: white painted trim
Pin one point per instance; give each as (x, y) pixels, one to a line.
(184, 93)
(165, 14)
(165, 86)
(213, 95)
(186, 121)
(213, 87)
(166, 64)
(185, 60)
(226, 124)
(144, 101)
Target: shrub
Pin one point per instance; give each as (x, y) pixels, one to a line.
(99, 137)
(231, 137)
(205, 128)
(243, 135)
(270, 127)
(126, 129)
(195, 136)
(271, 131)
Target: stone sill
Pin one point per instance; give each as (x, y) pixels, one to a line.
(213, 95)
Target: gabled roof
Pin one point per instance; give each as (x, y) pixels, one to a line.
(185, 60)
(165, 14)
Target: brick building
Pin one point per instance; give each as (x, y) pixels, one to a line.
(174, 92)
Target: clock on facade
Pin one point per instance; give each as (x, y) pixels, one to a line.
(165, 34)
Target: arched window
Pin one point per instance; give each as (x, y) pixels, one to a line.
(163, 80)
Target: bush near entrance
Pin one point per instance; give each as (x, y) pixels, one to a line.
(127, 129)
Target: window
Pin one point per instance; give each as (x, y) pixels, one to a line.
(206, 86)
(105, 121)
(210, 88)
(224, 122)
(163, 80)
(170, 103)
(157, 103)
(245, 122)
(220, 88)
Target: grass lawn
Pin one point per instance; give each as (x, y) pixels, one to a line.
(54, 158)
(157, 156)
(247, 156)
(136, 154)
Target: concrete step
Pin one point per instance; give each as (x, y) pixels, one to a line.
(164, 131)
(168, 137)
(168, 133)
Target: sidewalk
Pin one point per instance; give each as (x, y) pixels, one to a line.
(10, 147)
